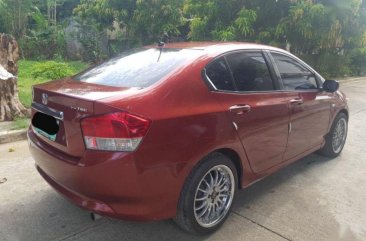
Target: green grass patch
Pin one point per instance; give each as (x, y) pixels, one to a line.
(26, 73)
(20, 123)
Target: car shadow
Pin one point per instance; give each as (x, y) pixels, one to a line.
(48, 216)
(269, 184)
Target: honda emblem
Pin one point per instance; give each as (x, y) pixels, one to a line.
(44, 98)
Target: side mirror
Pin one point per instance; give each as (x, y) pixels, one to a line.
(330, 86)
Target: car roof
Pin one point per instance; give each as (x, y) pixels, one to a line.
(217, 48)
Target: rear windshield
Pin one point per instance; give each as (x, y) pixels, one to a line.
(138, 67)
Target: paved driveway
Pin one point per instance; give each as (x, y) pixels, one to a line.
(313, 199)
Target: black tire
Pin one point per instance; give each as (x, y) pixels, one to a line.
(187, 218)
(328, 149)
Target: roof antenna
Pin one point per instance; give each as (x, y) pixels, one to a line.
(164, 39)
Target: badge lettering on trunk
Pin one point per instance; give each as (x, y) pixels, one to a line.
(80, 109)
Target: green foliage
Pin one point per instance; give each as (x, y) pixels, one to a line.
(46, 44)
(239, 29)
(305, 27)
(227, 34)
(25, 79)
(142, 21)
(198, 29)
(330, 33)
(151, 18)
(91, 38)
(103, 12)
(212, 19)
(20, 123)
(3, 27)
(38, 20)
(358, 60)
(14, 15)
(330, 65)
(51, 70)
(244, 22)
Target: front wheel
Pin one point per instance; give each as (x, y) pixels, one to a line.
(207, 195)
(336, 138)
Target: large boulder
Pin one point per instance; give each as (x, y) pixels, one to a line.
(82, 40)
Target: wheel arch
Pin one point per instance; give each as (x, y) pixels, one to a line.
(344, 111)
(235, 158)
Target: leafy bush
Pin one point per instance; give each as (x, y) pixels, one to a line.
(358, 61)
(329, 65)
(51, 70)
(26, 80)
(46, 44)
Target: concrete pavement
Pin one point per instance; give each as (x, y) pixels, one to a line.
(7, 134)
(313, 199)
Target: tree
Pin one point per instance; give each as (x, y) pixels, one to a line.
(212, 19)
(10, 106)
(298, 27)
(152, 18)
(220, 20)
(141, 21)
(15, 13)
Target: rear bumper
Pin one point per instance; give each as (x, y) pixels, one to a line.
(111, 184)
(78, 199)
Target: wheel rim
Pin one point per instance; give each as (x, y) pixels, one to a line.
(339, 135)
(214, 196)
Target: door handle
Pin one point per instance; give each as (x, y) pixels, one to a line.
(296, 101)
(240, 109)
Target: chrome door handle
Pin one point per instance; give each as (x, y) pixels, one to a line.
(296, 101)
(240, 109)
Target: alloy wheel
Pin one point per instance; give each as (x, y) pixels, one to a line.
(339, 135)
(214, 196)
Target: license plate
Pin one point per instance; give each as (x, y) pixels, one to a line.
(45, 134)
(46, 125)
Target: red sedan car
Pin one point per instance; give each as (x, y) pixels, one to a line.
(174, 131)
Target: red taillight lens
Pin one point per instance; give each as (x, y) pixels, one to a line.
(119, 131)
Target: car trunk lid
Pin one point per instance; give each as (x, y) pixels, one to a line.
(68, 102)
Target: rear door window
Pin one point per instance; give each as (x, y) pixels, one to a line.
(219, 75)
(138, 68)
(250, 71)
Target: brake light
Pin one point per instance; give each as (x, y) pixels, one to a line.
(120, 131)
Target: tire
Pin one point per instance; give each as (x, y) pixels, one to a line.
(202, 209)
(336, 138)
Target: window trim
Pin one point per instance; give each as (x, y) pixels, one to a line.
(269, 64)
(209, 81)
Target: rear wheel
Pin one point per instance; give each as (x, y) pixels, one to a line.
(336, 138)
(207, 195)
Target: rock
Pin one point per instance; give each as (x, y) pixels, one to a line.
(4, 74)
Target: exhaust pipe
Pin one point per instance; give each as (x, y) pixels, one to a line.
(95, 216)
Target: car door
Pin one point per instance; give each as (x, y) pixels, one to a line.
(245, 88)
(309, 107)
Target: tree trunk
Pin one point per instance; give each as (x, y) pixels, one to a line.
(10, 106)
(9, 53)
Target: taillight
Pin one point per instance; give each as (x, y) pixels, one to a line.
(120, 131)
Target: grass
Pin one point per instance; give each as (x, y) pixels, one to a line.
(26, 81)
(20, 123)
